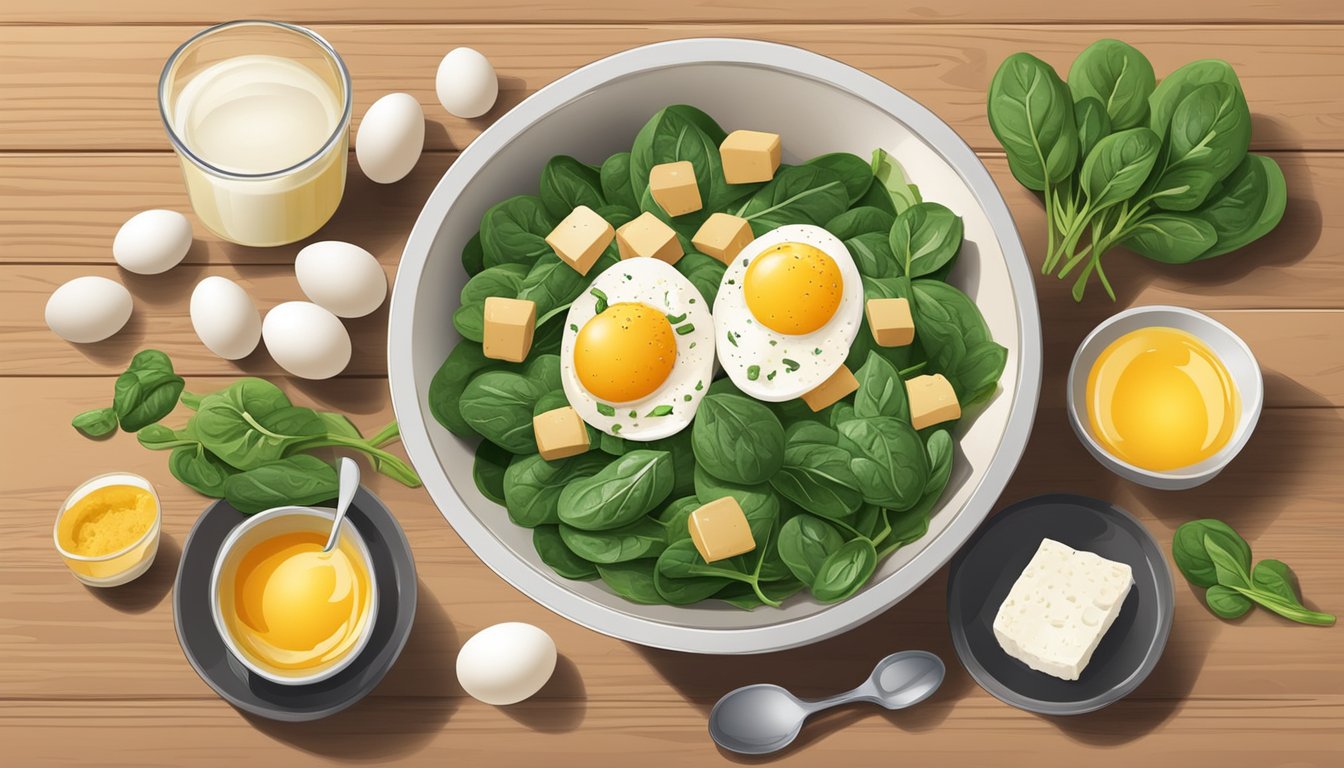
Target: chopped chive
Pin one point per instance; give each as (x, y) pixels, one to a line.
(774, 343)
(790, 365)
(674, 319)
(606, 410)
(600, 305)
(699, 385)
(753, 372)
(692, 301)
(731, 340)
(662, 410)
(634, 414)
(686, 398)
(912, 369)
(628, 277)
(732, 282)
(682, 330)
(574, 327)
(770, 376)
(817, 351)
(615, 428)
(692, 345)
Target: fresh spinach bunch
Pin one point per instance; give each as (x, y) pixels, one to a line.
(1119, 159)
(1212, 555)
(247, 443)
(828, 495)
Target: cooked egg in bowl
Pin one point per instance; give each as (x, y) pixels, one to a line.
(787, 311)
(638, 351)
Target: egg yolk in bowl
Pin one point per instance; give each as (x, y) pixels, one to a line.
(793, 288)
(625, 352)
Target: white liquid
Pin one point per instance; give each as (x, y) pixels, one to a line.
(261, 114)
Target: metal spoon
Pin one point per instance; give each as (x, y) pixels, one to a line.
(760, 719)
(349, 484)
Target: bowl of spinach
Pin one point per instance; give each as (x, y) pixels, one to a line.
(852, 508)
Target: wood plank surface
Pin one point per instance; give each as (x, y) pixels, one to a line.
(90, 88)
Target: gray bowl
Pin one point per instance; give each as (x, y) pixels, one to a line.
(818, 105)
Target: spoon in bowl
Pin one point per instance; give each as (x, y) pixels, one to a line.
(349, 484)
(760, 719)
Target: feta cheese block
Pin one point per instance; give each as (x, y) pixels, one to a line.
(1060, 607)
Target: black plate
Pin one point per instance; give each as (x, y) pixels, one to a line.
(395, 569)
(986, 568)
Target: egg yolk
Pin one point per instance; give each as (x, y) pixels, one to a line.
(625, 353)
(793, 288)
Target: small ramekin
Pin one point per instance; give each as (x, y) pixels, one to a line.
(116, 568)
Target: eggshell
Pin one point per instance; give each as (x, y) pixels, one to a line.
(225, 319)
(466, 83)
(506, 663)
(344, 279)
(88, 309)
(306, 340)
(391, 137)
(151, 242)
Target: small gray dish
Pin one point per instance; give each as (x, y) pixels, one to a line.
(204, 649)
(986, 568)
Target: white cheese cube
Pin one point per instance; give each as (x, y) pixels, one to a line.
(1060, 607)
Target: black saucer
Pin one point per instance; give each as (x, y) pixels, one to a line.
(395, 569)
(990, 563)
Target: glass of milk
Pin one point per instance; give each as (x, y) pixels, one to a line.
(259, 115)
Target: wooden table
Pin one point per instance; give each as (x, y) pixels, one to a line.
(96, 677)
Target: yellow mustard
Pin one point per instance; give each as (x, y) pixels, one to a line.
(107, 520)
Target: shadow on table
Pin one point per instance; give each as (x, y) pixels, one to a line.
(414, 701)
(151, 588)
(559, 707)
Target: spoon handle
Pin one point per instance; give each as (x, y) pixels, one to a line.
(348, 485)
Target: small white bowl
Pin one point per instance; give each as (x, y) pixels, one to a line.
(265, 525)
(1229, 348)
(114, 568)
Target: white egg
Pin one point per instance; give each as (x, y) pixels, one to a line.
(344, 279)
(306, 340)
(466, 83)
(652, 314)
(225, 319)
(151, 242)
(391, 137)
(88, 309)
(506, 663)
(815, 316)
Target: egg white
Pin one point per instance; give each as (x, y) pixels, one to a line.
(743, 342)
(656, 284)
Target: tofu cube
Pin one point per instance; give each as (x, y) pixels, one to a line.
(509, 324)
(673, 187)
(1060, 607)
(560, 433)
(720, 530)
(749, 156)
(647, 235)
(891, 322)
(932, 400)
(581, 238)
(840, 385)
(723, 236)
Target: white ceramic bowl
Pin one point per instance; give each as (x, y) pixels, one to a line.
(1229, 348)
(275, 522)
(818, 105)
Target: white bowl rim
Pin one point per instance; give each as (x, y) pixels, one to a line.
(409, 406)
(231, 541)
(1252, 403)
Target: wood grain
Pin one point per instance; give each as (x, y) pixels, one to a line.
(91, 88)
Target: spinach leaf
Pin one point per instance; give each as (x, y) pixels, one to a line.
(99, 422)
(1210, 133)
(1093, 124)
(300, 480)
(906, 527)
(514, 232)
(614, 179)
(488, 470)
(939, 448)
(553, 285)
(566, 184)
(862, 220)
(1118, 77)
(532, 485)
(200, 470)
(1276, 578)
(503, 280)
(816, 472)
(704, 272)
(473, 255)
(1176, 86)
(798, 194)
(1118, 166)
(1172, 238)
(683, 460)
(881, 390)
(744, 596)
(675, 518)
(147, 391)
(872, 254)
(1031, 114)
(682, 577)
(737, 439)
(645, 537)
(952, 330)
(888, 460)
(845, 571)
(854, 172)
(553, 552)
(890, 190)
(445, 390)
(1189, 550)
(1226, 603)
(628, 488)
(677, 133)
(1247, 207)
(804, 544)
(924, 238)
(757, 501)
(498, 404)
(251, 423)
(632, 580)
